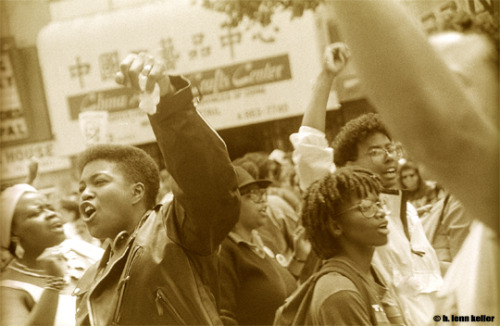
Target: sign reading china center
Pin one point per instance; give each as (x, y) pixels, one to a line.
(244, 75)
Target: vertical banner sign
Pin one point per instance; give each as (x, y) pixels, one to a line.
(13, 120)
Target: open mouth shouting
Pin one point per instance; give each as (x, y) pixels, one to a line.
(88, 211)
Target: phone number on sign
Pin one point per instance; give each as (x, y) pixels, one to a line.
(274, 110)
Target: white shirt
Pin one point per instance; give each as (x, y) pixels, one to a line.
(415, 277)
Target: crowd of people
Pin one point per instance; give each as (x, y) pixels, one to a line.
(348, 231)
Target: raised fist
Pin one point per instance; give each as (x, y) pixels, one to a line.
(142, 68)
(335, 57)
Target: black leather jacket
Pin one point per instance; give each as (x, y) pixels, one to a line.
(166, 271)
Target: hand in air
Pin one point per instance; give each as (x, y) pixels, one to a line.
(335, 57)
(137, 67)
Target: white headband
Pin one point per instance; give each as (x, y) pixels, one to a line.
(8, 202)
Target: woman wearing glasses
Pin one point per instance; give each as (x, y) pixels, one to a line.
(345, 219)
(253, 283)
(408, 262)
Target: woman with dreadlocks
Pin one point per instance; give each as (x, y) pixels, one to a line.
(345, 220)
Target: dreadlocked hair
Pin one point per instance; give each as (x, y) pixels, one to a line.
(322, 201)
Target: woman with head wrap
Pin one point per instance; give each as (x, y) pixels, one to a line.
(34, 289)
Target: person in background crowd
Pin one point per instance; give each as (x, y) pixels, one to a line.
(422, 194)
(288, 176)
(450, 102)
(254, 283)
(78, 253)
(345, 219)
(272, 170)
(407, 262)
(280, 230)
(36, 286)
(6, 255)
(443, 217)
(160, 263)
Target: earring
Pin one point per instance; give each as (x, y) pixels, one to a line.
(18, 249)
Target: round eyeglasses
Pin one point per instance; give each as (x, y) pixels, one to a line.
(378, 153)
(367, 207)
(256, 195)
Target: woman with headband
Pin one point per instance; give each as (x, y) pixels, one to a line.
(34, 289)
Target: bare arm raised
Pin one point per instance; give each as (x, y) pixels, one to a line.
(312, 156)
(432, 95)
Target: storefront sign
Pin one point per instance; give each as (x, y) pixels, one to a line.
(247, 74)
(15, 160)
(243, 75)
(12, 116)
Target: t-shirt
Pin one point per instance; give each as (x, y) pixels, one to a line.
(337, 301)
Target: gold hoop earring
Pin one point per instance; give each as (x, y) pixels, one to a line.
(18, 248)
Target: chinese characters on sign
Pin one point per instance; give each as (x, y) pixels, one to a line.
(108, 62)
(79, 70)
(239, 76)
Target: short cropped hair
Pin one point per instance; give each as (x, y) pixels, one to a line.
(323, 199)
(352, 133)
(134, 163)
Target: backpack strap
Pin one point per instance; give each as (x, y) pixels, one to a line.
(345, 269)
(295, 310)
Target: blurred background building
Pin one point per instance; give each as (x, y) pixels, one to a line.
(59, 58)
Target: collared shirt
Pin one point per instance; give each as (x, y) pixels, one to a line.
(249, 273)
(255, 244)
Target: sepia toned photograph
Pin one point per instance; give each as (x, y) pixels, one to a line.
(249, 162)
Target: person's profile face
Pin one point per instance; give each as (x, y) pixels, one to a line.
(364, 221)
(36, 223)
(106, 199)
(253, 209)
